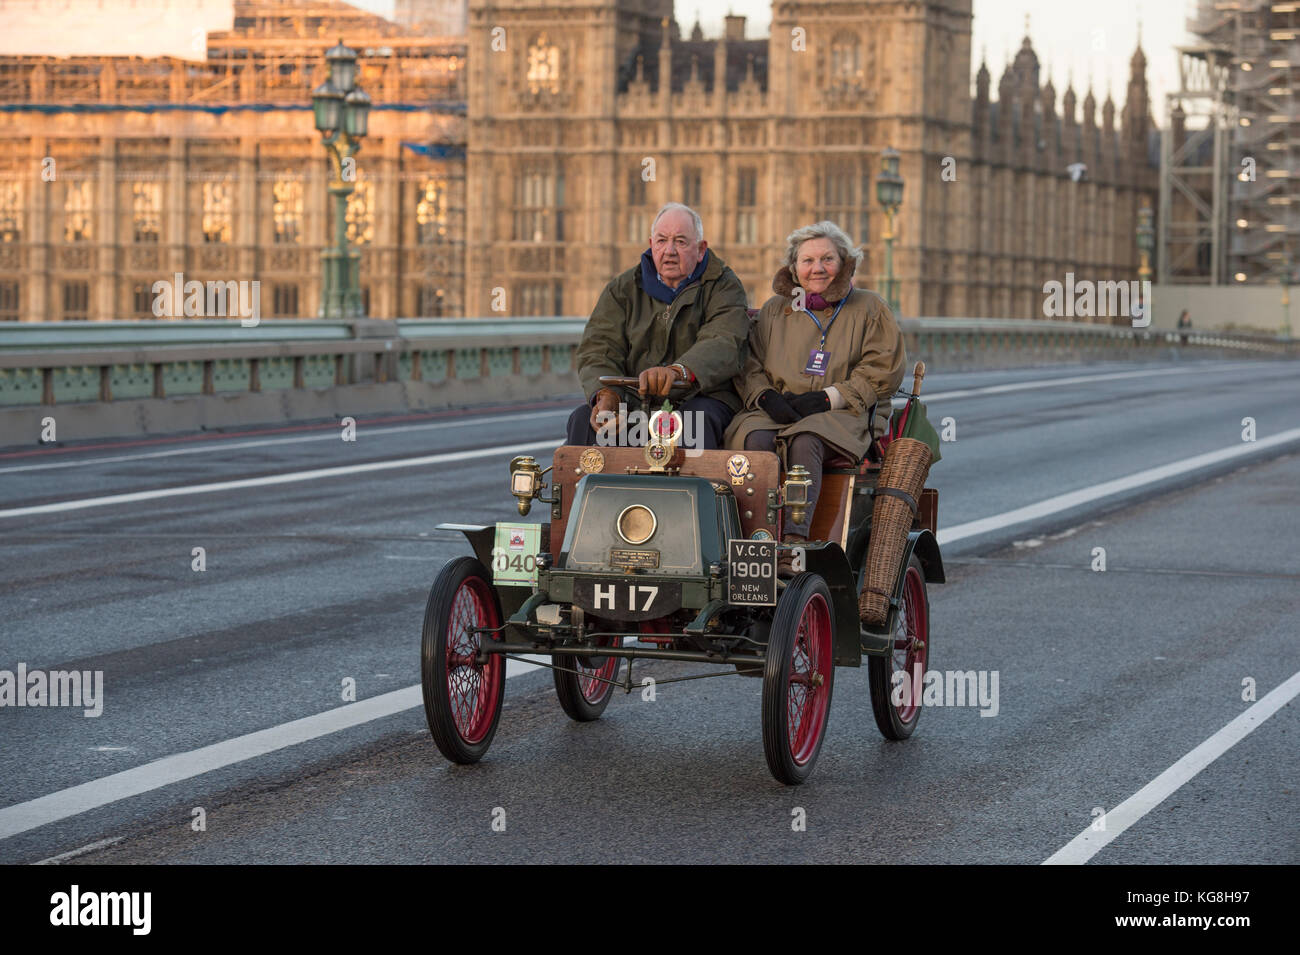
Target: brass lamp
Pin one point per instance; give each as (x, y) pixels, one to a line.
(525, 481)
(794, 493)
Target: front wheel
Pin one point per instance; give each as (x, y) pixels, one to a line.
(582, 690)
(798, 677)
(462, 697)
(896, 680)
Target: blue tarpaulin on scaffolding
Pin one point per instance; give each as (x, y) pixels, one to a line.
(436, 150)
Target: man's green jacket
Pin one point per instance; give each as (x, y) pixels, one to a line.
(706, 328)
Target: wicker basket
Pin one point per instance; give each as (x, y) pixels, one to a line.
(902, 476)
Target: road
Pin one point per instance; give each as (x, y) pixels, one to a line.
(223, 687)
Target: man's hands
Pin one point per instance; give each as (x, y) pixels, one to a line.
(657, 381)
(604, 410)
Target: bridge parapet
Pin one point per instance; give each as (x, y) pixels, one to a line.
(181, 375)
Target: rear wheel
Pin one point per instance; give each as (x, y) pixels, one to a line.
(462, 697)
(896, 680)
(581, 686)
(798, 677)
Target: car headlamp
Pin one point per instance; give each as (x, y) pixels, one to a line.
(525, 481)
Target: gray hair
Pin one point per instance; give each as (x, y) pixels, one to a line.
(679, 207)
(822, 230)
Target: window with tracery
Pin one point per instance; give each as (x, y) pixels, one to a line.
(286, 209)
(543, 66)
(431, 212)
(11, 210)
(146, 211)
(218, 211)
(78, 211)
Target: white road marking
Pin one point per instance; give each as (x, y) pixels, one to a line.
(60, 805)
(64, 856)
(182, 766)
(1084, 495)
(289, 477)
(1073, 380)
(1088, 843)
(362, 431)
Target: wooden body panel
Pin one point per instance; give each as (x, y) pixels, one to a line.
(763, 474)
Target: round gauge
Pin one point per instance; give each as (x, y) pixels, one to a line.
(636, 524)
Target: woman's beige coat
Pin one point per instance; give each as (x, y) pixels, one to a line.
(866, 367)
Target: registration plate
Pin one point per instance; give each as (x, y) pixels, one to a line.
(751, 572)
(514, 555)
(626, 600)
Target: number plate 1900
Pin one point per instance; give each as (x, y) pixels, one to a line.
(751, 576)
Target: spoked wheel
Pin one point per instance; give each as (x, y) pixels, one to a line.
(462, 698)
(798, 677)
(896, 700)
(580, 687)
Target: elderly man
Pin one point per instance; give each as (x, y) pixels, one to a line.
(679, 313)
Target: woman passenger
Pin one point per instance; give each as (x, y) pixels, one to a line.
(825, 358)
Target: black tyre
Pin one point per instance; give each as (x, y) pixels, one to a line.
(462, 698)
(579, 687)
(798, 678)
(896, 700)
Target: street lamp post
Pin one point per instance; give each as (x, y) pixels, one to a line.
(1146, 243)
(342, 112)
(889, 193)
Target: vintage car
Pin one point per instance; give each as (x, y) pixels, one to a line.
(660, 553)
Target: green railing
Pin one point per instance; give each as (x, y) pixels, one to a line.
(56, 363)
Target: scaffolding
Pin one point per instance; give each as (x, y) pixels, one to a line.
(1247, 214)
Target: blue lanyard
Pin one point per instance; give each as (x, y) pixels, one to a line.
(826, 331)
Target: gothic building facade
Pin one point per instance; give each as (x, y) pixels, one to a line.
(517, 168)
(117, 172)
(586, 115)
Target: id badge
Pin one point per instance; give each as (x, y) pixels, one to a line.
(818, 362)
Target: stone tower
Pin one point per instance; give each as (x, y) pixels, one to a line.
(542, 93)
(873, 74)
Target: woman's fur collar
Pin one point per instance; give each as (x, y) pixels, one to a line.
(783, 283)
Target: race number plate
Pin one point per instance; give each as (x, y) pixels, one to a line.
(626, 599)
(514, 554)
(751, 574)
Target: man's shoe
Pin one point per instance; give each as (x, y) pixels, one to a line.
(785, 557)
